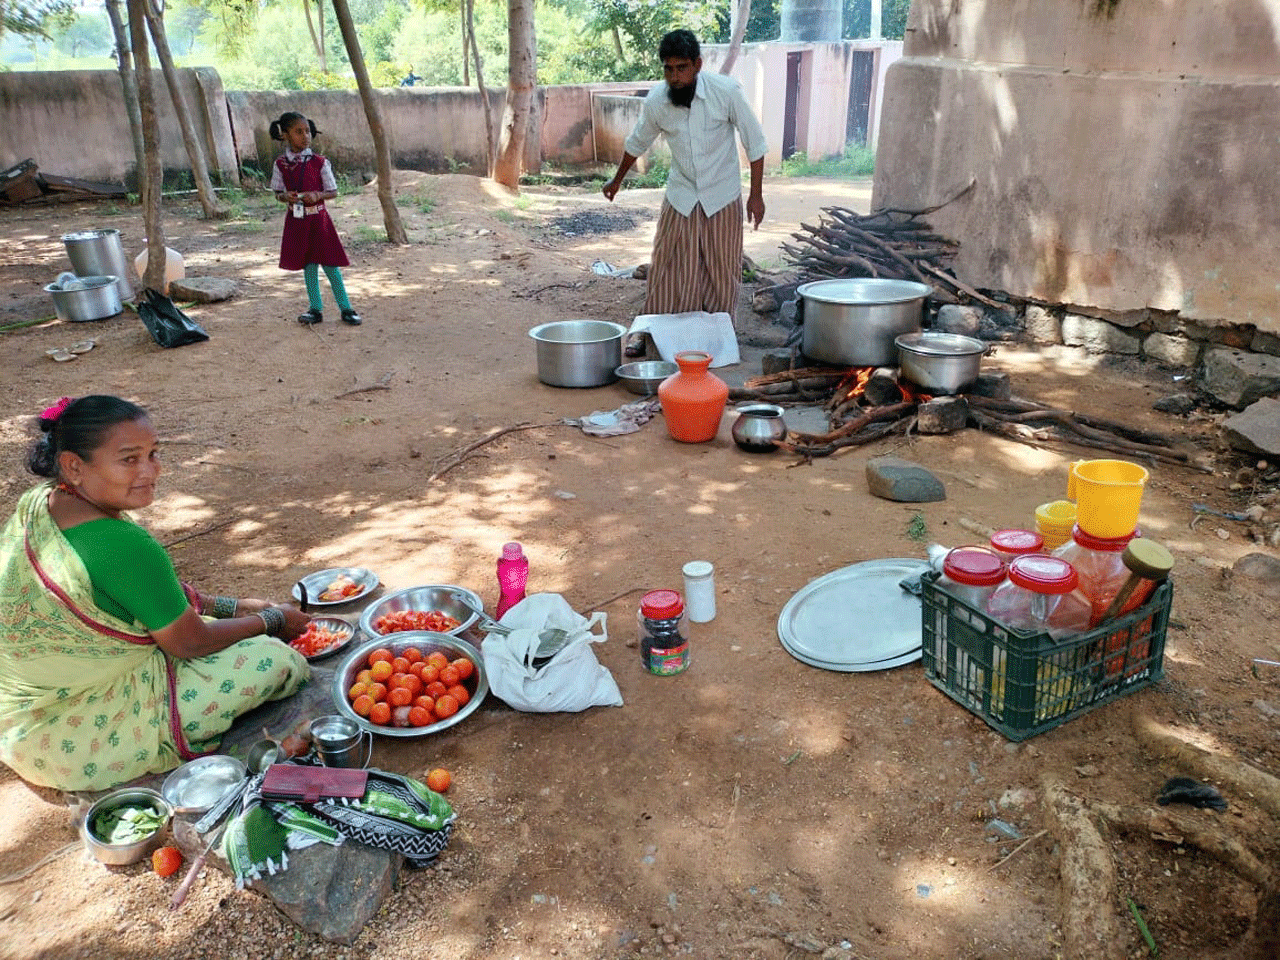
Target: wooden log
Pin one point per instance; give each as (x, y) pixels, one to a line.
(893, 411)
(942, 415)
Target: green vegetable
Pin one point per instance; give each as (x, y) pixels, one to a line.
(126, 823)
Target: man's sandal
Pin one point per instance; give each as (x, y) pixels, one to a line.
(311, 317)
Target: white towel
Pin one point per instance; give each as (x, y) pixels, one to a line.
(672, 333)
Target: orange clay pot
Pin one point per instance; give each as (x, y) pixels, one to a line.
(693, 400)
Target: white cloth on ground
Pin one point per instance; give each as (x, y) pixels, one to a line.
(672, 333)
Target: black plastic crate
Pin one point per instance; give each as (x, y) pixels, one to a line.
(1024, 684)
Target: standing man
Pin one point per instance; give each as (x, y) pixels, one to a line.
(697, 251)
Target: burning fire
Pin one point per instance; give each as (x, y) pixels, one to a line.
(854, 384)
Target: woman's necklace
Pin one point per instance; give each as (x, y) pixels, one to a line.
(63, 487)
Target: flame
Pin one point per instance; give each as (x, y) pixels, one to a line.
(911, 394)
(852, 385)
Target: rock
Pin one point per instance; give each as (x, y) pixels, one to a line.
(997, 386)
(955, 318)
(787, 312)
(1098, 336)
(202, 289)
(942, 415)
(776, 361)
(892, 478)
(764, 302)
(1257, 429)
(1041, 324)
(1264, 342)
(1175, 351)
(1179, 404)
(641, 271)
(1238, 378)
(1262, 570)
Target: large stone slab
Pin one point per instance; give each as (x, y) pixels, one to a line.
(1257, 429)
(1098, 336)
(958, 318)
(1237, 378)
(1042, 324)
(893, 478)
(1260, 572)
(1171, 349)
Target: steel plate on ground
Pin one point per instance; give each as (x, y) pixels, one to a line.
(316, 584)
(855, 619)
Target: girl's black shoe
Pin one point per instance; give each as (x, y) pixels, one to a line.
(312, 316)
(351, 317)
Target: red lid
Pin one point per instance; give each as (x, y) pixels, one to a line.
(1017, 541)
(1043, 574)
(661, 605)
(973, 566)
(1090, 542)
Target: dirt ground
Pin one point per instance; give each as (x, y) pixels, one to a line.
(752, 807)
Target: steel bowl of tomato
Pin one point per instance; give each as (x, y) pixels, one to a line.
(433, 607)
(411, 683)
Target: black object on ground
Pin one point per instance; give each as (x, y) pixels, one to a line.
(1186, 790)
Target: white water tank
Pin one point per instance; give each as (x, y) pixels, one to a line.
(806, 21)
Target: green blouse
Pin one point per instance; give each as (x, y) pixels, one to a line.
(133, 577)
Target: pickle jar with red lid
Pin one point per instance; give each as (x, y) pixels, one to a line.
(1010, 544)
(1100, 565)
(971, 574)
(664, 643)
(1041, 595)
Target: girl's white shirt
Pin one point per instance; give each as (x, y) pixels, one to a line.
(327, 179)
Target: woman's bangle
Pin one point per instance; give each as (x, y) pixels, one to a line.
(272, 621)
(223, 608)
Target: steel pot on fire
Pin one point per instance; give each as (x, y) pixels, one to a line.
(853, 322)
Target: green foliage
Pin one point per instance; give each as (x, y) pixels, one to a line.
(35, 18)
(856, 161)
(624, 45)
(893, 19)
(423, 202)
(917, 530)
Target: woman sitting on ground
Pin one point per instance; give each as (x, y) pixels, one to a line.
(108, 671)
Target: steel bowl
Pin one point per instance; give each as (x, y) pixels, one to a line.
(95, 298)
(853, 322)
(424, 599)
(346, 631)
(940, 363)
(122, 854)
(197, 785)
(644, 376)
(578, 353)
(759, 427)
(452, 647)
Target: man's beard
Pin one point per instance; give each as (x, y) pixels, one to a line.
(682, 97)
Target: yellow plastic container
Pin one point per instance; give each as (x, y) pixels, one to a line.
(1054, 521)
(1108, 494)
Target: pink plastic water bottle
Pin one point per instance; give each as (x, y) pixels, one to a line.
(513, 574)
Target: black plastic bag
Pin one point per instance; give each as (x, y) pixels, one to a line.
(168, 325)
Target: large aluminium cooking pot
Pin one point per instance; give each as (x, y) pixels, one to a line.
(853, 322)
(578, 353)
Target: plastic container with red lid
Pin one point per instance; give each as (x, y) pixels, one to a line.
(1041, 595)
(971, 574)
(664, 644)
(1099, 562)
(1009, 544)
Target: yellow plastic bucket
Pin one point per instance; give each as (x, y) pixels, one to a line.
(1054, 521)
(1108, 494)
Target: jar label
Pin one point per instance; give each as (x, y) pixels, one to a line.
(665, 661)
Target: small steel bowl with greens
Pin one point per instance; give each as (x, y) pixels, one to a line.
(126, 825)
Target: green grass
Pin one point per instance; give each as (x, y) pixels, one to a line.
(423, 202)
(856, 161)
(917, 530)
(371, 234)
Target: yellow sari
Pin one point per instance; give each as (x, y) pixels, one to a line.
(87, 700)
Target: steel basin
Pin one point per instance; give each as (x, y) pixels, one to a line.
(853, 322)
(98, 299)
(940, 363)
(578, 353)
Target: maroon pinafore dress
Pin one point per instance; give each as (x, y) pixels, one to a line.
(312, 237)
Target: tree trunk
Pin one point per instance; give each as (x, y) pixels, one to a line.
(124, 62)
(324, 53)
(617, 43)
(484, 94)
(151, 176)
(522, 57)
(195, 149)
(311, 29)
(386, 195)
(466, 64)
(741, 14)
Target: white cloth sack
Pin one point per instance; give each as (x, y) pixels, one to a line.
(572, 680)
(711, 333)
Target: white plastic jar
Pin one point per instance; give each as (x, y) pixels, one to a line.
(1042, 595)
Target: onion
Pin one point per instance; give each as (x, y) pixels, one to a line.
(295, 745)
(400, 716)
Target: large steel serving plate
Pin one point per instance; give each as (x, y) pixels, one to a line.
(424, 599)
(356, 660)
(316, 584)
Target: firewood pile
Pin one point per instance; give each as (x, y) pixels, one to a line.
(890, 244)
(864, 404)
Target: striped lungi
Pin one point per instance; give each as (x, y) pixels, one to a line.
(697, 261)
